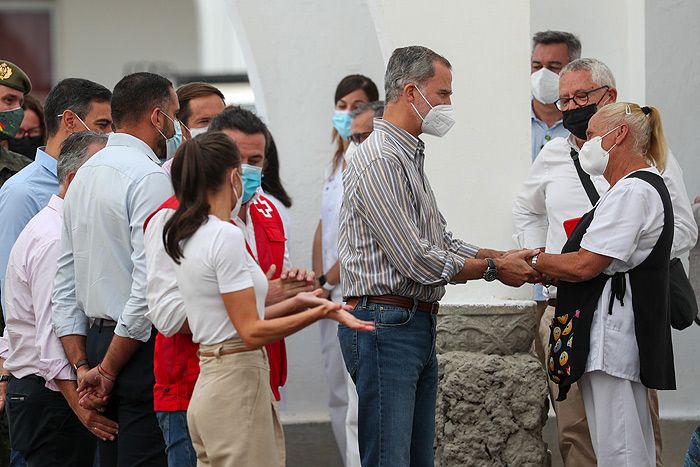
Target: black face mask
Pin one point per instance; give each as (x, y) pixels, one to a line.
(576, 120)
(26, 146)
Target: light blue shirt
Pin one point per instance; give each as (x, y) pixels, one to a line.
(102, 265)
(542, 134)
(25, 194)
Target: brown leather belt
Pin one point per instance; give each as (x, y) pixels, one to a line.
(396, 300)
(552, 302)
(223, 352)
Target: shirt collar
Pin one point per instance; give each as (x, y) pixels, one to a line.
(45, 160)
(56, 203)
(125, 139)
(534, 117)
(407, 141)
(572, 142)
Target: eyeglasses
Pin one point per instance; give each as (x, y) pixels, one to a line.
(29, 133)
(358, 138)
(580, 98)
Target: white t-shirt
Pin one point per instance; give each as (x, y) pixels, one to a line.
(216, 262)
(627, 224)
(331, 200)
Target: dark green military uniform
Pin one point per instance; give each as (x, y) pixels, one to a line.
(13, 77)
(10, 164)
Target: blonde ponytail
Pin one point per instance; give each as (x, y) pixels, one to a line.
(645, 126)
(658, 149)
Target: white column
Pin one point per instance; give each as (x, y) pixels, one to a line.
(296, 53)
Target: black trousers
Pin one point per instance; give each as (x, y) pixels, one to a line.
(43, 428)
(139, 442)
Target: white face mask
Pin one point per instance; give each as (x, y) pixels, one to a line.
(198, 131)
(594, 159)
(544, 85)
(239, 196)
(438, 120)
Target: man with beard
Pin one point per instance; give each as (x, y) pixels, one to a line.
(99, 294)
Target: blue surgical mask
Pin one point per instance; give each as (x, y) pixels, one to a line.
(342, 121)
(252, 178)
(175, 140)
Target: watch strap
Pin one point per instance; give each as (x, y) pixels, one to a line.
(80, 363)
(4, 378)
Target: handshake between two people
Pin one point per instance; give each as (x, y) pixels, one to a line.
(514, 267)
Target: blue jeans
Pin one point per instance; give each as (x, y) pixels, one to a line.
(395, 371)
(178, 445)
(692, 457)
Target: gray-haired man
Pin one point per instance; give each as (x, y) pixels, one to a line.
(555, 192)
(47, 424)
(396, 257)
(551, 51)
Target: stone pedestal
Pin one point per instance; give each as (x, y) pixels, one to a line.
(492, 392)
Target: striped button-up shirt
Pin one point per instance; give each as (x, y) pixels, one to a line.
(393, 239)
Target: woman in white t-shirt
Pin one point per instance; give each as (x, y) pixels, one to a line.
(613, 284)
(232, 416)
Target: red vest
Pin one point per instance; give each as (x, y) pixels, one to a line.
(175, 362)
(269, 242)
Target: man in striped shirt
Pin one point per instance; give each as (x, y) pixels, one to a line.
(396, 257)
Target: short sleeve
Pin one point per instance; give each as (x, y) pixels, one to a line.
(620, 220)
(229, 258)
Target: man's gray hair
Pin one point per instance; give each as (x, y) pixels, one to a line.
(377, 107)
(600, 73)
(74, 152)
(413, 64)
(573, 44)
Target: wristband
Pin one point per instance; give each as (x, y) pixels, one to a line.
(104, 374)
(327, 286)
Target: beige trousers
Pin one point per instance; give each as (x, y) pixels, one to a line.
(232, 417)
(572, 427)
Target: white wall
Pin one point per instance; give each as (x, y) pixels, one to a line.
(673, 78)
(296, 53)
(612, 32)
(97, 39)
(673, 85)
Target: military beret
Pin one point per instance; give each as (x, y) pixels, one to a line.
(13, 77)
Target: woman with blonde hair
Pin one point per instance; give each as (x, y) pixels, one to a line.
(232, 416)
(611, 330)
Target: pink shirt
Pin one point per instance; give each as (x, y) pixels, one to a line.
(29, 344)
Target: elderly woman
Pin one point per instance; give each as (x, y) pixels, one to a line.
(613, 289)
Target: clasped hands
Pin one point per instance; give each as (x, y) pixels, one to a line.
(94, 388)
(514, 268)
